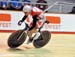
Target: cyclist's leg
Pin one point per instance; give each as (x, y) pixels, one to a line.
(33, 27)
(35, 19)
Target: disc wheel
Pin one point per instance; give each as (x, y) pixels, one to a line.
(42, 40)
(16, 39)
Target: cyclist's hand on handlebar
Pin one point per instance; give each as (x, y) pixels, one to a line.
(19, 23)
(47, 22)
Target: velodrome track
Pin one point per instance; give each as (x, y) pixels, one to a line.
(60, 45)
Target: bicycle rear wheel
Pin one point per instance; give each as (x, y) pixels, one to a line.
(42, 40)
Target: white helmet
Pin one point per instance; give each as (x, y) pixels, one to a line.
(27, 8)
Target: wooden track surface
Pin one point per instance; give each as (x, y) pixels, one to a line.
(60, 45)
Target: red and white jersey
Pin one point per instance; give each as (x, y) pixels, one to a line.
(36, 11)
(29, 21)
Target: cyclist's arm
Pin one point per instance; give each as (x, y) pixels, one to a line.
(23, 18)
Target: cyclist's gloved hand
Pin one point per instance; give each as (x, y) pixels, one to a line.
(46, 21)
(19, 23)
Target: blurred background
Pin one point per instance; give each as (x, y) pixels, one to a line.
(61, 6)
